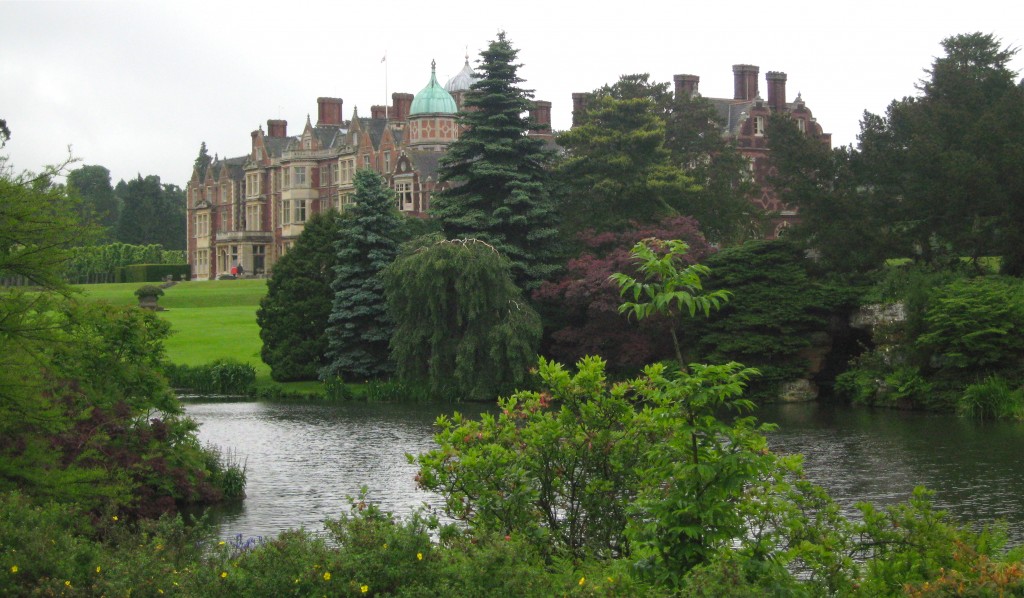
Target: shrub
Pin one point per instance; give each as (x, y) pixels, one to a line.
(992, 398)
(223, 376)
(153, 272)
(149, 290)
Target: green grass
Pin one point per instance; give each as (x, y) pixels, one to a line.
(209, 320)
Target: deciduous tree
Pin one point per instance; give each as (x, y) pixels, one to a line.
(461, 325)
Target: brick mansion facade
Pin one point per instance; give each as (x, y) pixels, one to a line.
(247, 211)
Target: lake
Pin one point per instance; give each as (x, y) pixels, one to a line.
(304, 461)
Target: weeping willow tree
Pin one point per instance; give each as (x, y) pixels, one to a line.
(461, 324)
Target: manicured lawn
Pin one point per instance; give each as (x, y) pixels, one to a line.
(204, 334)
(210, 320)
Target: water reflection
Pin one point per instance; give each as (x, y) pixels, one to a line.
(880, 456)
(305, 459)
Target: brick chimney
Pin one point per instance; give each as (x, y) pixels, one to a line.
(745, 81)
(277, 128)
(776, 90)
(401, 104)
(328, 111)
(379, 112)
(686, 85)
(579, 107)
(540, 118)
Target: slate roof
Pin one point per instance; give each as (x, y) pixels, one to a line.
(426, 162)
(732, 113)
(375, 128)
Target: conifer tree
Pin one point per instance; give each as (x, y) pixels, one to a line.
(359, 327)
(293, 315)
(498, 173)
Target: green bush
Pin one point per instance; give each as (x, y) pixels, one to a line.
(153, 272)
(992, 398)
(222, 377)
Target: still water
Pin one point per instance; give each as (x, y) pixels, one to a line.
(305, 460)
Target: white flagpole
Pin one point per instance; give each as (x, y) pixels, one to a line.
(385, 61)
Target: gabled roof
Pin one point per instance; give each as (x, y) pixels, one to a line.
(427, 163)
(732, 112)
(374, 127)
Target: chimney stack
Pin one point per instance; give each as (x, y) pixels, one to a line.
(540, 118)
(401, 104)
(328, 111)
(776, 90)
(379, 112)
(686, 85)
(745, 81)
(579, 107)
(277, 128)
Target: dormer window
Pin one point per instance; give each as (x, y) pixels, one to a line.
(801, 124)
(307, 144)
(758, 125)
(259, 153)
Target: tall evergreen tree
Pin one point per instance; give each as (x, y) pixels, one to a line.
(951, 160)
(293, 315)
(498, 173)
(151, 213)
(92, 183)
(359, 327)
(203, 160)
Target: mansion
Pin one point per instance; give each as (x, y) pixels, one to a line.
(744, 117)
(247, 211)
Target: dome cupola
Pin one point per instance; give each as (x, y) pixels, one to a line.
(433, 99)
(462, 80)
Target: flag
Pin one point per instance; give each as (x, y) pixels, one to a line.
(384, 58)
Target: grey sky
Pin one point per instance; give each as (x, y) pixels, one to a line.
(137, 86)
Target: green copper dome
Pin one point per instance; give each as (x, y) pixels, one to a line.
(433, 99)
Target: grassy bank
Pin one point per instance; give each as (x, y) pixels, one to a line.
(210, 320)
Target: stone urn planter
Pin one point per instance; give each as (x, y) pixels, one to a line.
(148, 296)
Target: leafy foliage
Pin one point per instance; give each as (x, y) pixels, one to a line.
(638, 154)
(98, 203)
(497, 174)
(570, 466)
(778, 311)
(580, 309)
(666, 287)
(958, 333)
(100, 263)
(294, 313)
(151, 213)
(359, 327)
(974, 325)
(461, 325)
(616, 163)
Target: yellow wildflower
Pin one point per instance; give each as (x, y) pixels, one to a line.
(583, 580)
(97, 569)
(327, 576)
(419, 556)
(364, 588)
(221, 543)
(14, 568)
(385, 546)
(159, 591)
(223, 574)
(67, 582)
(114, 517)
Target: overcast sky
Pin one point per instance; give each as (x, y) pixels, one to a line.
(137, 86)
